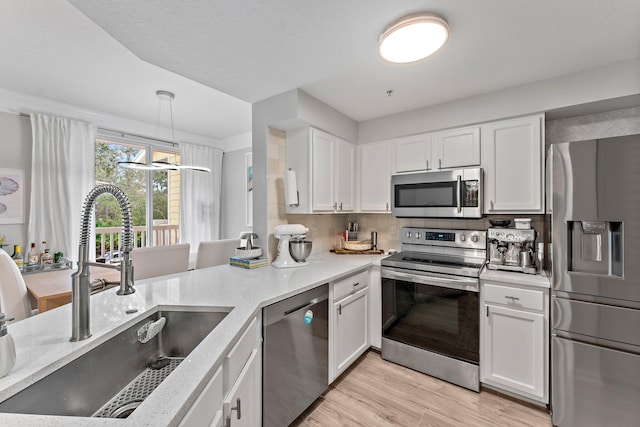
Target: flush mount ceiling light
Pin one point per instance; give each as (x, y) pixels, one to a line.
(413, 38)
(163, 96)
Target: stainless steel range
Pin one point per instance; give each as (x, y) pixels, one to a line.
(430, 304)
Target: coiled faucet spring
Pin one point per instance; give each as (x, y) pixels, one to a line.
(80, 280)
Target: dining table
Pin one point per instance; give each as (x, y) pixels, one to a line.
(49, 289)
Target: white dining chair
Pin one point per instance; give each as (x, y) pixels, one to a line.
(216, 252)
(14, 297)
(156, 261)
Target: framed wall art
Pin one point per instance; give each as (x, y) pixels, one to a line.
(12, 194)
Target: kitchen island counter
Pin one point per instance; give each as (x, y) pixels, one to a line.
(42, 342)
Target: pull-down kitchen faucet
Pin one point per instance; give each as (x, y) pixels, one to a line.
(80, 280)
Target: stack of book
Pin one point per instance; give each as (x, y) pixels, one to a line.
(248, 263)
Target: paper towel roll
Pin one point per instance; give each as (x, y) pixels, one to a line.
(290, 188)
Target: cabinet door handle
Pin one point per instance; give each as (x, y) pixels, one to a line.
(340, 205)
(513, 299)
(387, 205)
(237, 408)
(340, 310)
(356, 284)
(459, 194)
(439, 163)
(487, 311)
(428, 165)
(491, 205)
(335, 206)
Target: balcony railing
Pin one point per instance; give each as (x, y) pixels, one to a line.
(108, 238)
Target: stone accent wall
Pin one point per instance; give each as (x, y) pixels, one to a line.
(592, 126)
(275, 189)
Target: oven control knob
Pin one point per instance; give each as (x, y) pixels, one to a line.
(463, 237)
(474, 238)
(418, 235)
(509, 236)
(408, 234)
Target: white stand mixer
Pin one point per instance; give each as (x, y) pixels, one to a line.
(286, 232)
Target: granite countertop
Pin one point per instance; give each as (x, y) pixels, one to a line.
(42, 342)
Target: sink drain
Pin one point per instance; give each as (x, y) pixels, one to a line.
(125, 410)
(127, 400)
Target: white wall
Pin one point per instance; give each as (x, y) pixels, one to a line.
(234, 191)
(15, 153)
(15, 102)
(614, 81)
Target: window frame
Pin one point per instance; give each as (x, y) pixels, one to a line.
(148, 144)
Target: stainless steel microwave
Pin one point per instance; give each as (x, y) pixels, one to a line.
(444, 194)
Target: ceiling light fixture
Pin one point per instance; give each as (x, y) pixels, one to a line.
(163, 95)
(413, 38)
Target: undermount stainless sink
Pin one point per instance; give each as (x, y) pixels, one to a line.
(113, 378)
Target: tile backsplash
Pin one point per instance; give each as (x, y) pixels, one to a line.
(324, 229)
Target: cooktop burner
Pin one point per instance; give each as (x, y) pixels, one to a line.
(457, 252)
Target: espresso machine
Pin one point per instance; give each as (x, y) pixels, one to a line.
(511, 249)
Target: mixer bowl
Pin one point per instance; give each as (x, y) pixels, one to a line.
(300, 249)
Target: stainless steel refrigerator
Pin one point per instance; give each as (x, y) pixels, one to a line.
(595, 339)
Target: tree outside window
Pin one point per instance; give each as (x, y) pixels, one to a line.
(160, 209)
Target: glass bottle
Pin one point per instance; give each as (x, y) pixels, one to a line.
(43, 248)
(47, 258)
(17, 258)
(32, 260)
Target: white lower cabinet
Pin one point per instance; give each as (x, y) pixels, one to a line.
(375, 307)
(243, 404)
(348, 322)
(233, 397)
(514, 340)
(207, 409)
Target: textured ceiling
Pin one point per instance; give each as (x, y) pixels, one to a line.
(51, 50)
(220, 56)
(255, 49)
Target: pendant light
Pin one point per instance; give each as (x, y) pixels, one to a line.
(413, 38)
(163, 95)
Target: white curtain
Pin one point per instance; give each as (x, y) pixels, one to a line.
(62, 173)
(200, 194)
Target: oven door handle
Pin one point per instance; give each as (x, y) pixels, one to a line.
(460, 283)
(459, 194)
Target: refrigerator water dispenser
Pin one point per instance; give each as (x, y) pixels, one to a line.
(596, 247)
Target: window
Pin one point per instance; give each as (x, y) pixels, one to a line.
(155, 213)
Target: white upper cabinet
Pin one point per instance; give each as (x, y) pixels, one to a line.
(345, 176)
(453, 148)
(333, 165)
(512, 158)
(375, 177)
(322, 165)
(457, 147)
(325, 168)
(413, 153)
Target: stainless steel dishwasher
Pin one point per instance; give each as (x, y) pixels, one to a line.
(296, 355)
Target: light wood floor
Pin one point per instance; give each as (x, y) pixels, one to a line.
(378, 393)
